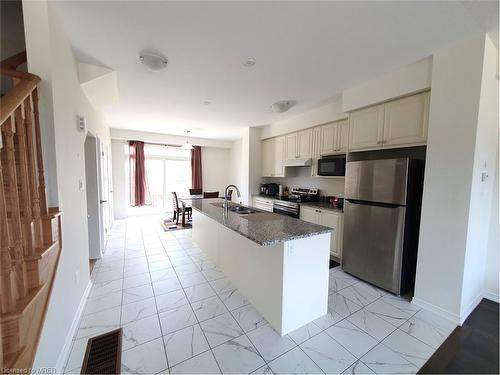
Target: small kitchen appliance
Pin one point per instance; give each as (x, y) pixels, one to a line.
(331, 166)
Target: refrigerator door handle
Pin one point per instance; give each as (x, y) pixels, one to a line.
(376, 204)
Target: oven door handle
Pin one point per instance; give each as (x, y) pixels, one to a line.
(287, 209)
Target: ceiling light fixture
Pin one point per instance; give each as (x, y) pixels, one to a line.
(207, 102)
(282, 106)
(153, 61)
(249, 62)
(187, 145)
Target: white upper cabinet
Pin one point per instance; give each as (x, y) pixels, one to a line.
(366, 127)
(335, 138)
(304, 144)
(401, 122)
(291, 146)
(268, 157)
(328, 139)
(279, 156)
(316, 147)
(342, 136)
(406, 120)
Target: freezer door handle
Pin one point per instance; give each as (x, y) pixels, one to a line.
(375, 204)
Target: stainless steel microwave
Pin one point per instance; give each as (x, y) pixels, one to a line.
(332, 166)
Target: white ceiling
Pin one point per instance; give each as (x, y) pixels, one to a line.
(305, 51)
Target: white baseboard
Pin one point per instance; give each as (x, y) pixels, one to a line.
(63, 356)
(436, 310)
(466, 312)
(491, 296)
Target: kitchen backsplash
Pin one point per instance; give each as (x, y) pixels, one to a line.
(301, 177)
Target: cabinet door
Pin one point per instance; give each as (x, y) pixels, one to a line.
(268, 157)
(291, 146)
(279, 156)
(316, 150)
(331, 219)
(304, 144)
(366, 128)
(328, 138)
(342, 139)
(406, 120)
(309, 214)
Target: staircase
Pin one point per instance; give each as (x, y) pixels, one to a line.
(30, 232)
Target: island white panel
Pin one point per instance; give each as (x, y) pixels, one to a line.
(305, 280)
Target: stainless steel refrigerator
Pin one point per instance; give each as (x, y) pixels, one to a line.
(381, 221)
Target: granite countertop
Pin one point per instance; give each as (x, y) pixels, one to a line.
(264, 228)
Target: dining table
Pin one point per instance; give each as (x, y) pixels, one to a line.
(185, 202)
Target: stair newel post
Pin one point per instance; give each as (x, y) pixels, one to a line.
(22, 162)
(32, 179)
(16, 240)
(7, 297)
(39, 158)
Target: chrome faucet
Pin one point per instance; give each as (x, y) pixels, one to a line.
(226, 196)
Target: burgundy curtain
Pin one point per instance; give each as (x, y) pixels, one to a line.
(196, 182)
(139, 193)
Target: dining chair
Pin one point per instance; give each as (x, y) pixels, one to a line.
(195, 191)
(210, 194)
(178, 210)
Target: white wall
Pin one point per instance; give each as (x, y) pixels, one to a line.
(491, 280)
(406, 80)
(316, 116)
(215, 166)
(301, 177)
(121, 192)
(450, 170)
(126, 135)
(50, 56)
(482, 191)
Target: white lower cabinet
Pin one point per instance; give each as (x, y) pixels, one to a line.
(328, 218)
(263, 203)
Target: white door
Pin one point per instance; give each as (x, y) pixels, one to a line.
(309, 214)
(328, 137)
(291, 146)
(267, 158)
(331, 219)
(342, 139)
(304, 144)
(103, 193)
(92, 187)
(279, 156)
(366, 128)
(406, 120)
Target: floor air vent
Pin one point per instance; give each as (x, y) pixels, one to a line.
(103, 355)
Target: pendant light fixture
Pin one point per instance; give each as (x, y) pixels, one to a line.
(187, 145)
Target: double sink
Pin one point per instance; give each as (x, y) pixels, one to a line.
(236, 208)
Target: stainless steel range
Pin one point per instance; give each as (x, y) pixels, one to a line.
(290, 205)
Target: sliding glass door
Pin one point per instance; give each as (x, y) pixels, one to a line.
(168, 170)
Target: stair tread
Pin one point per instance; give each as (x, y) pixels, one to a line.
(22, 305)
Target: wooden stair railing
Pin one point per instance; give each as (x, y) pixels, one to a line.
(30, 241)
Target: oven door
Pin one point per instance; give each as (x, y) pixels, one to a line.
(282, 210)
(331, 167)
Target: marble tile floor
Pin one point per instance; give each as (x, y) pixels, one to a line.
(179, 314)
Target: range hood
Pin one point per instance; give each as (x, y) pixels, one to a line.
(297, 162)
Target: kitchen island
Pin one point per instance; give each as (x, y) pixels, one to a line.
(280, 264)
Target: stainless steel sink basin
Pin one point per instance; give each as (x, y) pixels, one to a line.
(241, 210)
(233, 207)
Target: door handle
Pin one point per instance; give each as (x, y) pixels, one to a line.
(101, 201)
